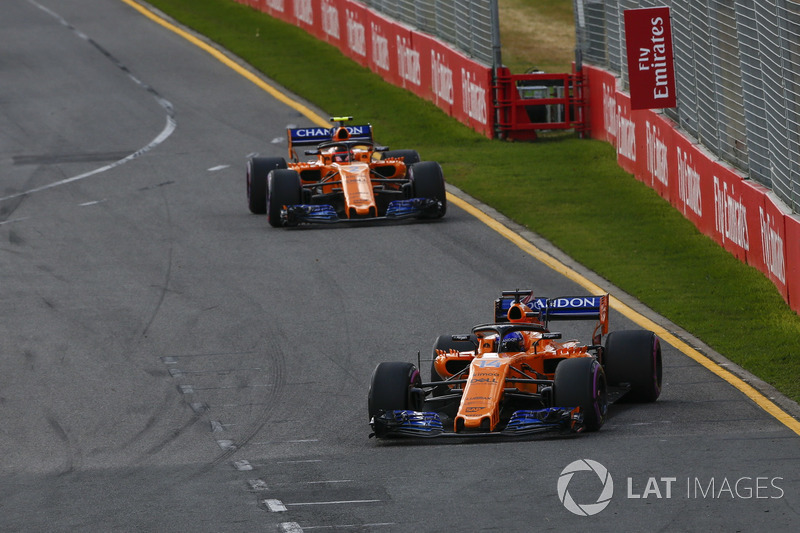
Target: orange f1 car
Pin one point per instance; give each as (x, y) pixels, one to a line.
(515, 377)
(351, 179)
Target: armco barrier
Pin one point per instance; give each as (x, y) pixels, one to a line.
(742, 216)
(402, 56)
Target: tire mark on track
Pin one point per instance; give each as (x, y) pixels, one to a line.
(169, 400)
(167, 275)
(63, 437)
(277, 356)
(196, 417)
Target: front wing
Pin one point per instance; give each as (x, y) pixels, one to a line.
(407, 423)
(326, 214)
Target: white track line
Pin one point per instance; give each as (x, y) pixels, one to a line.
(169, 128)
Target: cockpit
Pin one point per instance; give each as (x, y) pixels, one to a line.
(338, 153)
(347, 153)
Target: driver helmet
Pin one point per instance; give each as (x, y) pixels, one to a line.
(513, 342)
(339, 153)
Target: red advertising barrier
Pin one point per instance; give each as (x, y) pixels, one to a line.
(627, 133)
(648, 41)
(357, 42)
(752, 197)
(603, 114)
(439, 72)
(793, 261)
(739, 214)
(383, 52)
(404, 57)
(331, 22)
(655, 158)
(304, 16)
(772, 220)
(733, 213)
(474, 105)
(689, 193)
(276, 8)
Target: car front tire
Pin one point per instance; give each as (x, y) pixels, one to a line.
(258, 169)
(284, 189)
(581, 382)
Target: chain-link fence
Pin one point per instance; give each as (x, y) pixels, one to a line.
(465, 24)
(737, 65)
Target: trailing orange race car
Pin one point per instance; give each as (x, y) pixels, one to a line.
(515, 377)
(351, 179)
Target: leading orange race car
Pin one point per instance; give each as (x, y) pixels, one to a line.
(515, 377)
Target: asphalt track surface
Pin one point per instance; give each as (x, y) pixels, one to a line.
(168, 362)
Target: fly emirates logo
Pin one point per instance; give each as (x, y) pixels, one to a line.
(731, 215)
(356, 34)
(330, 20)
(474, 97)
(656, 154)
(408, 61)
(442, 76)
(772, 244)
(380, 48)
(304, 12)
(276, 5)
(689, 184)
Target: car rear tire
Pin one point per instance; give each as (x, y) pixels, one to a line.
(409, 156)
(284, 188)
(427, 181)
(633, 357)
(258, 168)
(392, 387)
(581, 382)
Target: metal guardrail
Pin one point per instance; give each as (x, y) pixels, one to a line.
(465, 24)
(737, 65)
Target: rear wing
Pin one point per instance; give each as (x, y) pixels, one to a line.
(562, 308)
(315, 136)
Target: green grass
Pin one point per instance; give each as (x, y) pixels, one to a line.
(568, 190)
(537, 35)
